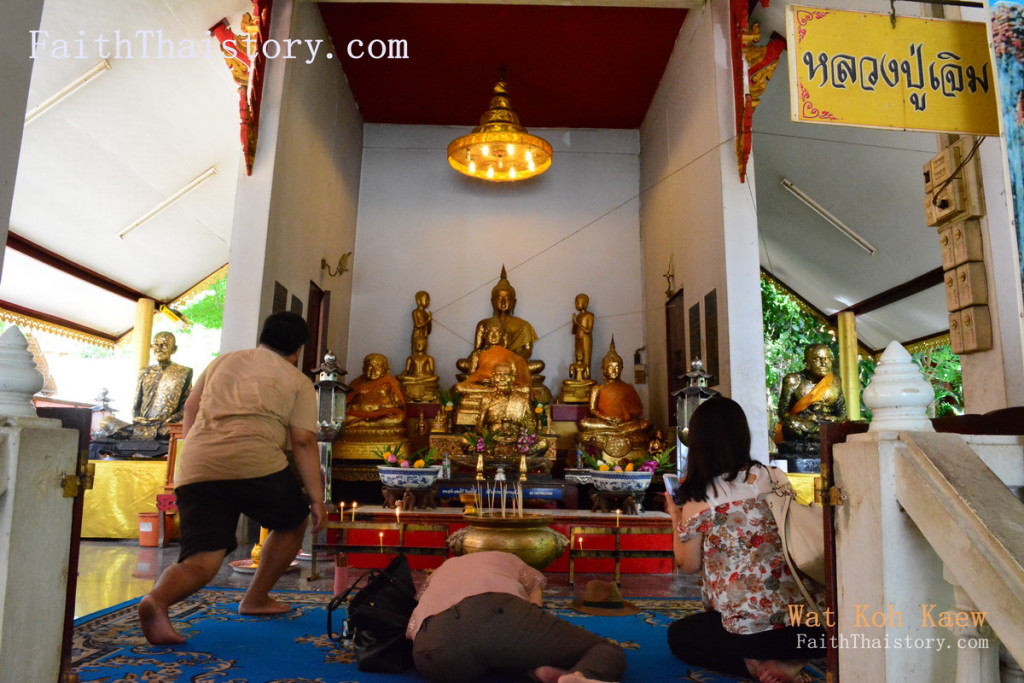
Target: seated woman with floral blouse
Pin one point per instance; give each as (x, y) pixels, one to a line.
(727, 532)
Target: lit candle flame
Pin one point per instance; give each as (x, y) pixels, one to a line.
(354, 506)
(617, 513)
(380, 536)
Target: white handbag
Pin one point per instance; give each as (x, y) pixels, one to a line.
(801, 528)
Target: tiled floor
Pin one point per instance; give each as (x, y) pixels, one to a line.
(111, 572)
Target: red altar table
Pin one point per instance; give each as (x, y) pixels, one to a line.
(632, 544)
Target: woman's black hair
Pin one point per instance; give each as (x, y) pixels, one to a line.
(719, 443)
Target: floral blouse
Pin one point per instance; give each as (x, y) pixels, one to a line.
(744, 576)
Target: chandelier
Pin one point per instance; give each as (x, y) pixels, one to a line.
(499, 149)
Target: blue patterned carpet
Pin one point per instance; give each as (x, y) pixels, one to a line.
(226, 647)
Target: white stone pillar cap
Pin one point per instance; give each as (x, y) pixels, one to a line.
(898, 394)
(19, 377)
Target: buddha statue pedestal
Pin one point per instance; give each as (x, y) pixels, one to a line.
(574, 391)
(420, 389)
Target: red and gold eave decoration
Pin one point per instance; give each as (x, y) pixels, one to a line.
(752, 66)
(244, 56)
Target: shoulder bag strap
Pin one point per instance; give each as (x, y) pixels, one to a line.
(780, 499)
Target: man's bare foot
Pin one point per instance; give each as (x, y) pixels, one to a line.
(778, 671)
(156, 625)
(267, 605)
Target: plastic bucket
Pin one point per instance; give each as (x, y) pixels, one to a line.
(149, 529)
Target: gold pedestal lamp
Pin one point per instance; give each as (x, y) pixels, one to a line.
(499, 149)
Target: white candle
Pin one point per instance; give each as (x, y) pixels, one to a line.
(354, 506)
(581, 544)
(380, 536)
(617, 512)
(398, 513)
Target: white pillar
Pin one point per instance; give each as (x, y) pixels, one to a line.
(16, 20)
(35, 522)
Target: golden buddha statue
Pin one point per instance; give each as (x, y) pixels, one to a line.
(375, 416)
(519, 335)
(808, 398)
(577, 388)
(160, 393)
(419, 381)
(506, 416)
(616, 424)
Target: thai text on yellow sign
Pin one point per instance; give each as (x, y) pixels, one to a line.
(857, 69)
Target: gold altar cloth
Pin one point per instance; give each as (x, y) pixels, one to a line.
(803, 484)
(122, 489)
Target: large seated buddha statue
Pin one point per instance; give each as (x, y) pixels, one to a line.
(375, 416)
(616, 424)
(519, 335)
(506, 418)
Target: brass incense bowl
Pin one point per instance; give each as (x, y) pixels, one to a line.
(528, 537)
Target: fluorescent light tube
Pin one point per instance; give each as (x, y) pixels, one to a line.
(832, 220)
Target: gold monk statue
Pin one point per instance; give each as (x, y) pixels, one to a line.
(160, 393)
(419, 380)
(376, 402)
(616, 422)
(807, 398)
(519, 335)
(494, 350)
(507, 416)
(375, 417)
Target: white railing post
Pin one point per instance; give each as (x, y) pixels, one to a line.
(885, 568)
(35, 521)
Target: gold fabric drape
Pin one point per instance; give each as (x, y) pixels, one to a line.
(122, 489)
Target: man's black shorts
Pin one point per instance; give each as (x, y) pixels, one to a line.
(209, 510)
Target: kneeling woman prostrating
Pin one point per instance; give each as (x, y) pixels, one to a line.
(727, 532)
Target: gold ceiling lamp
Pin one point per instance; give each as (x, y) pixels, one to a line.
(499, 149)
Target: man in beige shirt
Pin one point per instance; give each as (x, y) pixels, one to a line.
(238, 420)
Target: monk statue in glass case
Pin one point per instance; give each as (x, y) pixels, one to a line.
(616, 424)
(807, 399)
(519, 335)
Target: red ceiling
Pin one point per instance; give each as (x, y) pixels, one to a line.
(572, 67)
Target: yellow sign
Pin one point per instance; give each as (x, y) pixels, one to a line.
(857, 69)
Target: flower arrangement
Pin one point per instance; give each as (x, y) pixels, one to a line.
(392, 456)
(540, 412)
(659, 463)
(424, 457)
(662, 462)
